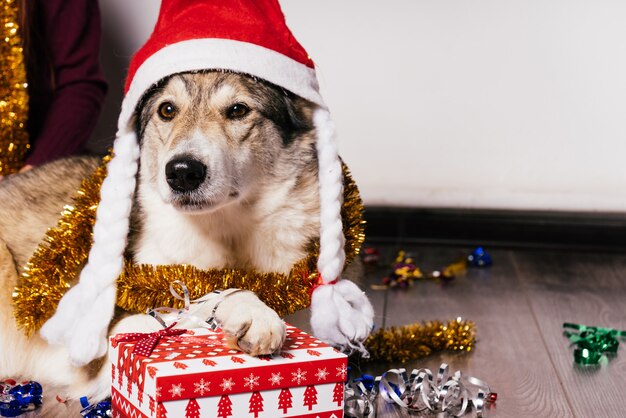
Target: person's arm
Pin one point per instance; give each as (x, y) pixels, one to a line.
(72, 30)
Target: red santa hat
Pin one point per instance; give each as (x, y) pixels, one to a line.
(245, 36)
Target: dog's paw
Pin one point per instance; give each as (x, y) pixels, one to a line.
(250, 325)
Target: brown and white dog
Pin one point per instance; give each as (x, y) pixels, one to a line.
(228, 178)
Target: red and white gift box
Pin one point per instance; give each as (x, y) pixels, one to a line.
(195, 375)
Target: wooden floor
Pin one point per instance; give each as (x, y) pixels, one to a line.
(519, 305)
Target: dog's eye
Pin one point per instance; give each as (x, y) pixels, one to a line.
(167, 111)
(237, 111)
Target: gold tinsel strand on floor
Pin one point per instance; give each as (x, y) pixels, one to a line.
(410, 342)
(13, 93)
(55, 266)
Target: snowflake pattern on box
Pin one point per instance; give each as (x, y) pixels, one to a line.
(227, 384)
(251, 381)
(276, 378)
(342, 372)
(177, 390)
(202, 387)
(298, 376)
(321, 374)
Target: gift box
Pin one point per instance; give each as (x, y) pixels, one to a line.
(195, 375)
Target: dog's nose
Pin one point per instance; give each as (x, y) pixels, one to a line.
(185, 174)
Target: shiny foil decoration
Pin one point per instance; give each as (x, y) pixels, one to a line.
(420, 393)
(13, 92)
(17, 399)
(141, 287)
(405, 272)
(593, 344)
(410, 342)
(101, 409)
(479, 258)
(55, 265)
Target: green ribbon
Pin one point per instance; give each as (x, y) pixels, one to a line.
(592, 343)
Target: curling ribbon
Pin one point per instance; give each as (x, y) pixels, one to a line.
(420, 392)
(166, 314)
(17, 399)
(147, 341)
(592, 343)
(101, 409)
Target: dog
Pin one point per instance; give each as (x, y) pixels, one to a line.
(227, 178)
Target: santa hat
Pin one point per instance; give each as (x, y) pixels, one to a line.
(244, 36)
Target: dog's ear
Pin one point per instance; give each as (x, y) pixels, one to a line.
(299, 115)
(293, 115)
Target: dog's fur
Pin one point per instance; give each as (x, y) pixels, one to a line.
(257, 208)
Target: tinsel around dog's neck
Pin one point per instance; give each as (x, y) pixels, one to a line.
(56, 264)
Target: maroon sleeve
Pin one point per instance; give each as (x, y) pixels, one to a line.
(72, 30)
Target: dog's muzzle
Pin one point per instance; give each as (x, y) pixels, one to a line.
(184, 174)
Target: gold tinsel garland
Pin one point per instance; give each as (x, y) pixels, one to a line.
(55, 266)
(13, 93)
(410, 342)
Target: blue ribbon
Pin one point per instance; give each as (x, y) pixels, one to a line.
(17, 399)
(479, 258)
(367, 381)
(101, 409)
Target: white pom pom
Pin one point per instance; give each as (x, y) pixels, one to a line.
(342, 315)
(91, 343)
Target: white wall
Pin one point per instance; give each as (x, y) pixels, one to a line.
(473, 104)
